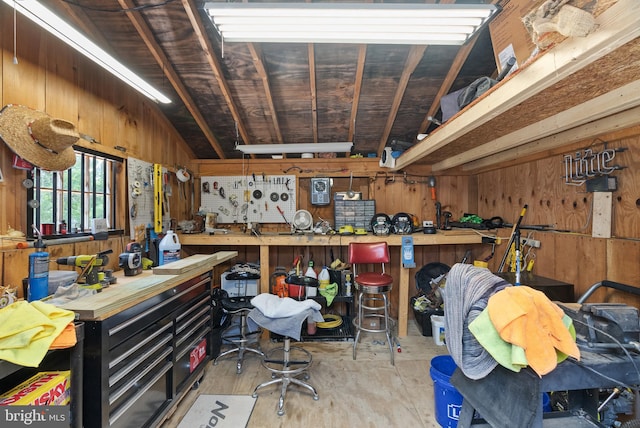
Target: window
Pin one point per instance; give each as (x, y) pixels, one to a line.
(76, 196)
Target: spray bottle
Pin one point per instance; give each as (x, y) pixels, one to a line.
(38, 271)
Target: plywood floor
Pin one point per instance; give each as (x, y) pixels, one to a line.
(368, 392)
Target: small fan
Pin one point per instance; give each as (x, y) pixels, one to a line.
(302, 221)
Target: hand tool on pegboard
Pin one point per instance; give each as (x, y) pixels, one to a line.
(157, 197)
(515, 231)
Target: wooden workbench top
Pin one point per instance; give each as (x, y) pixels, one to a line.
(131, 290)
(442, 237)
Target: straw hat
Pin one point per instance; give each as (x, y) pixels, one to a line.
(38, 138)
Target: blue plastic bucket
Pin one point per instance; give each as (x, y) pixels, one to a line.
(448, 401)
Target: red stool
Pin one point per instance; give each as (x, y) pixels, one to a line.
(372, 284)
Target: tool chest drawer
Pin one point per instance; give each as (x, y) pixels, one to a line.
(139, 361)
(193, 329)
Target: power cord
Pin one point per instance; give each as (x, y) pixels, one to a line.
(337, 321)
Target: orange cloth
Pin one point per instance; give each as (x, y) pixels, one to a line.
(66, 339)
(527, 318)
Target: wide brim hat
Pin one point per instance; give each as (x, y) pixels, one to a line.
(36, 137)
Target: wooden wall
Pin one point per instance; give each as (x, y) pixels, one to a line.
(51, 77)
(573, 255)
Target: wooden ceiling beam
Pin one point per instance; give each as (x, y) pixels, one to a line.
(214, 64)
(163, 62)
(413, 59)
(256, 55)
(357, 89)
(313, 91)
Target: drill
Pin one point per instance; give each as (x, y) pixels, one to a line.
(90, 265)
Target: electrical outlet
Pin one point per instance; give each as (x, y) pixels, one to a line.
(531, 242)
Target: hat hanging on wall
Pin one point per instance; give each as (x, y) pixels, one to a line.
(38, 138)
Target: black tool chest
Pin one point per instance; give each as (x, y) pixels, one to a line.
(139, 362)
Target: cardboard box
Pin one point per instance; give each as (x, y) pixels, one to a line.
(42, 389)
(509, 35)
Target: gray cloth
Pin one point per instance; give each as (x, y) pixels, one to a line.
(290, 326)
(466, 294)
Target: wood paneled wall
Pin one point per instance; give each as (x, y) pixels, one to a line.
(573, 255)
(51, 77)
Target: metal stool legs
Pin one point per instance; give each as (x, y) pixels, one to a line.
(288, 362)
(372, 318)
(240, 340)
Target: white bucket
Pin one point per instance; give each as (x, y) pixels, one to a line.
(437, 329)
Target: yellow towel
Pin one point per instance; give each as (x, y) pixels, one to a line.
(28, 329)
(527, 318)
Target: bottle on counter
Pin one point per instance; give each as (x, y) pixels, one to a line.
(38, 282)
(324, 278)
(169, 248)
(311, 291)
(347, 285)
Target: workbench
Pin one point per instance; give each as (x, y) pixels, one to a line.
(147, 341)
(266, 241)
(503, 398)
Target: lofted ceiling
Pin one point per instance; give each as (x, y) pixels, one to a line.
(260, 93)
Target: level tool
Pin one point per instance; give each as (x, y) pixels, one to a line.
(157, 198)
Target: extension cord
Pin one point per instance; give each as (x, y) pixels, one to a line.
(337, 321)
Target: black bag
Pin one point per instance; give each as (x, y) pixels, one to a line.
(452, 103)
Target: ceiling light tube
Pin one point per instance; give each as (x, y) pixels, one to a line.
(271, 149)
(51, 22)
(385, 23)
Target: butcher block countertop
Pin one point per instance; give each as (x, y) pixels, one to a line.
(131, 290)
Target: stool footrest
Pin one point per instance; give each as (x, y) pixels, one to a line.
(298, 362)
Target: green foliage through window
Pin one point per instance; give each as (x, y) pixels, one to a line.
(75, 196)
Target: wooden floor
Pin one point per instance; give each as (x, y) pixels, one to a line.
(368, 392)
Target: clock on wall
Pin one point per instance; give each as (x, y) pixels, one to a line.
(320, 191)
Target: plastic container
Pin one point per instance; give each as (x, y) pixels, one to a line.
(169, 248)
(311, 291)
(38, 283)
(324, 279)
(347, 285)
(437, 329)
(448, 401)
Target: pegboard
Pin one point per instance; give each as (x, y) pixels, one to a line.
(256, 199)
(140, 196)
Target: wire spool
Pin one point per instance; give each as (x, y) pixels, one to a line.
(330, 321)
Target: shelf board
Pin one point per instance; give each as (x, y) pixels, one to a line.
(573, 84)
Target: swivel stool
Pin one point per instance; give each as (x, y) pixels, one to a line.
(287, 363)
(239, 306)
(373, 284)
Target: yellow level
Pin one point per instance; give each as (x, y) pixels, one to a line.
(157, 198)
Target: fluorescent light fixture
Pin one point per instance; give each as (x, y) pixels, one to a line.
(65, 32)
(272, 149)
(368, 23)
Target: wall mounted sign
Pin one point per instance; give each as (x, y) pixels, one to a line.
(588, 163)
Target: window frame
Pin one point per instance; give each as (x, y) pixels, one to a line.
(86, 159)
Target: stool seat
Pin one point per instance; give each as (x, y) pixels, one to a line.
(305, 281)
(236, 304)
(239, 276)
(374, 279)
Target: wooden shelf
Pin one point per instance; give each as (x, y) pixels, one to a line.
(578, 89)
